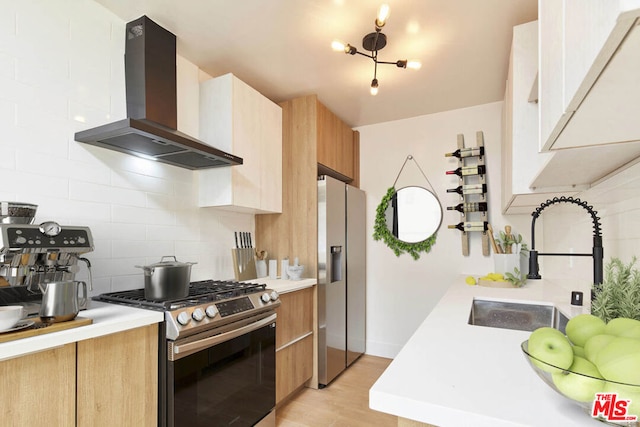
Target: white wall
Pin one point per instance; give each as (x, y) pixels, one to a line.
(61, 71)
(401, 292)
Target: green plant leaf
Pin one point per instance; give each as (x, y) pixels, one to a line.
(516, 278)
(619, 294)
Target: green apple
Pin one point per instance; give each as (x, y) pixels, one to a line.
(623, 327)
(578, 351)
(628, 392)
(582, 383)
(550, 346)
(593, 346)
(619, 360)
(582, 327)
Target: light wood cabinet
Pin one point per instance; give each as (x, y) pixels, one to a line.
(118, 379)
(294, 367)
(294, 341)
(336, 144)
(236, 118)
(39, 389)
(294, 233)
(105, 381)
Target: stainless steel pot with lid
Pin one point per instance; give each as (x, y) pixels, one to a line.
(166, 280)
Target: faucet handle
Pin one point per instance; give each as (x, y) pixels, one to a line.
(533, 265)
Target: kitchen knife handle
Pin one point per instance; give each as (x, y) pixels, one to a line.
(235, 233)
(250, 244)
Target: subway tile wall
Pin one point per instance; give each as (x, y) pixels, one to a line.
(61, 71)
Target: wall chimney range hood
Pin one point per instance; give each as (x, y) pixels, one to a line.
(149, 131)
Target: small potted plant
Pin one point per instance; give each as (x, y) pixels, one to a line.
(619, 294)
(511, 259)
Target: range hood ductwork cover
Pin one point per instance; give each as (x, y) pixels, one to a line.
(149, 131)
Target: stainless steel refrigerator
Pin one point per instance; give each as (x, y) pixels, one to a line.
(341, 276)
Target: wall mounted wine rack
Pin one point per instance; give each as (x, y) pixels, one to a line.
(472, 188)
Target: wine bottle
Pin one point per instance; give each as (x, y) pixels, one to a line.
(470, 226)
(469, 207)
(469, 189)
(466, 152)
(468, 170)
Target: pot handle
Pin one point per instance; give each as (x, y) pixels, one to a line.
(175, 259)
(147, 270)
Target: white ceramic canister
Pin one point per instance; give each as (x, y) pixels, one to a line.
(273, 269)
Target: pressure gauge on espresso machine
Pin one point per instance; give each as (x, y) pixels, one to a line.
(50, 228)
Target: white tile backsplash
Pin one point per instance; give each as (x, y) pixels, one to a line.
(87, 191)
(62, 71)
(12, 90)
(617, 201)
(7, 24)
(7, 65)
(38, 187)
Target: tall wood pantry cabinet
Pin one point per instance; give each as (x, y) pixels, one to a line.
(314, 141)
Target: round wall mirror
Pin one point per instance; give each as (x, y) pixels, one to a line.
(414, 214)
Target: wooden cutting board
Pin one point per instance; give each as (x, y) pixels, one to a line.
(40, 328)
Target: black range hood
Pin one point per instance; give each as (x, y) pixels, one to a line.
(149, 131)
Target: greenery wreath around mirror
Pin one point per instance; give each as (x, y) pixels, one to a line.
(382, 232)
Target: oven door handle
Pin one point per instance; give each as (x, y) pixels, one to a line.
(192, 347)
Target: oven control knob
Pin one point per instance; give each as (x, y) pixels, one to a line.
(211, 311)
(274, 295)
(265, 298)
(183, 318)
(198, 314)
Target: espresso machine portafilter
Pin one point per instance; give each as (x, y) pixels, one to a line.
(33, 255)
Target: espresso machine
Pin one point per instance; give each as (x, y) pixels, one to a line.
(33, 255)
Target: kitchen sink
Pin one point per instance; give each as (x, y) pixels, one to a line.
(520, 316)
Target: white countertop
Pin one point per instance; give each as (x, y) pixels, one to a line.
(107, 319)
(452, 374)
(284, 286)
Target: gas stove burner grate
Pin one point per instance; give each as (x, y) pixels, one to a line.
(199, 292)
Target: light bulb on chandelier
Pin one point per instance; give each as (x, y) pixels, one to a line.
(374, 87)
(373, 42)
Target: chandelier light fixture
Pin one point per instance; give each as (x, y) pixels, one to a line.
(373, 42)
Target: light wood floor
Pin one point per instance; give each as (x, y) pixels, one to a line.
(343, 403)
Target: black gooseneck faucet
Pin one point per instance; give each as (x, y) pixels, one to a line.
(596, 253)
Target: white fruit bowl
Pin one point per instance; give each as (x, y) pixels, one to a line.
(625, 391)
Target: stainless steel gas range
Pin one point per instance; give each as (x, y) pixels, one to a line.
(217, 353)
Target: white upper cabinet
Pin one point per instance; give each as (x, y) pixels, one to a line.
(238, 119)
(589, 90)
(589, 84)
(521, 161)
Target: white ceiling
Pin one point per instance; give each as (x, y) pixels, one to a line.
(282, 48)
